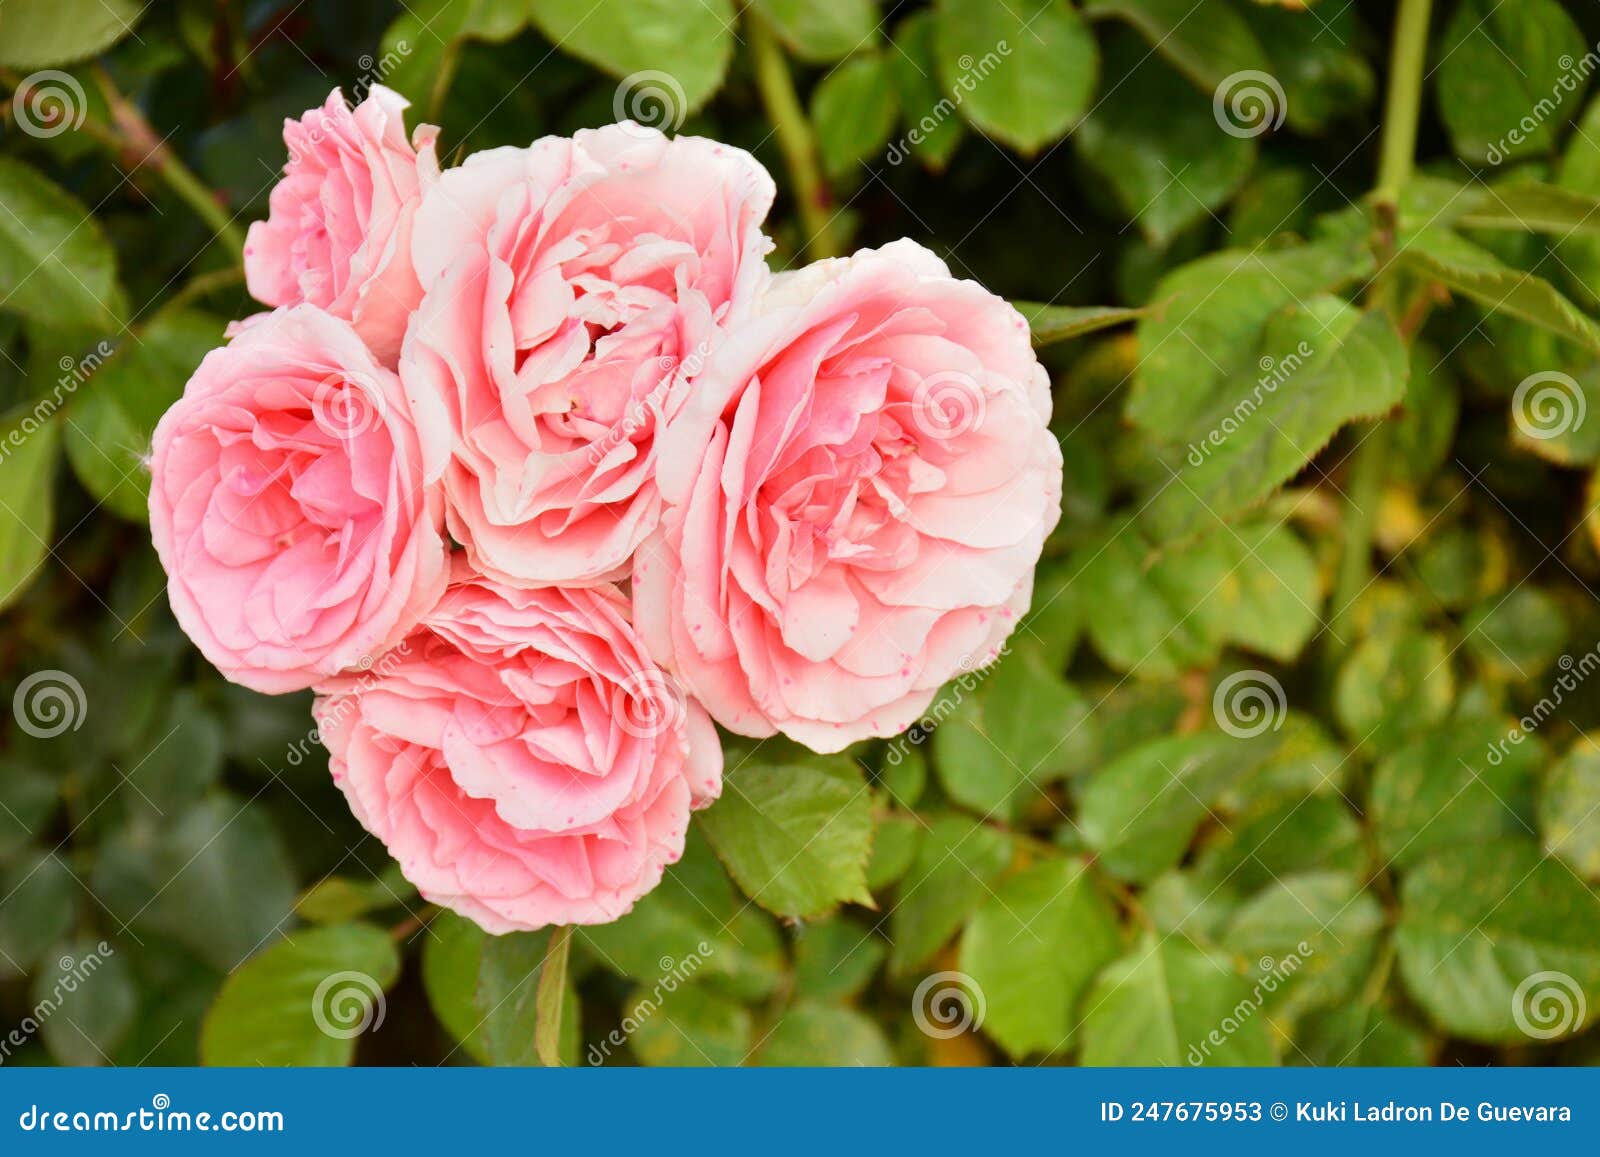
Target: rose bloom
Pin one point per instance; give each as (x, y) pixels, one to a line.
(288, 506)
(339, 231)
(858, 491)
(521, 757)
(574, 287)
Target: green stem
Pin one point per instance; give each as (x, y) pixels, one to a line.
(1404, 108)
(551, 994)
(794, 135)
(204, 284)
(1363, 492)
(151, 152)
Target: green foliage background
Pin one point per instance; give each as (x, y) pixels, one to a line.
(1308, 673)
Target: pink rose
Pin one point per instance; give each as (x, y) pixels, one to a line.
(858, 491)
(521, 756)
(573, 287)
(339, 233)
(288, 507)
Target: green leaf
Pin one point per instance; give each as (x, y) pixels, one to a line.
(957, 863)
(688, 1027)
(796, 838)
(1320, 367)
(55, 261)
(691, 42)
(1312, 938)
(510, 978)
(1475, 273)
(1156, 145)
(1317, 58)
(41, 898)
(44, 33)
(216, 878)
(182, 757)
(1393, 686)
(1165, 1003)
(28, 798)
(1505, 76)
(894, 849)
(1032, 950)
(421, 46)
(303, 1001)
(1141, 811)
(1494, 941)
(1359, 1033)
(1518, 636)
(1020, 728)
(1298, 835)
(1569, 808)
(1530, 207)
(93, 996)
(551, 997)
(27, 506)
(811, 1034)
(336, 899)
(1209, 50)
(1053, 323)
(836, 959)
(1208, 329)
(109, 423)
(450, 955)
(1550, 415)
(1026, 69)
(933, 127)
(853, 109)
(694, 914)
(820, 31)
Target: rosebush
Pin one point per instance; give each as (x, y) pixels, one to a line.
(1283, 753)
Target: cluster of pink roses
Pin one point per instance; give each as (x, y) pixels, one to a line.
(682, 488)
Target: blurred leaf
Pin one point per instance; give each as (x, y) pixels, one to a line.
(1569, 808)
(304, 1000)
(691, 42)
(27, 507)
(1531, 207)
(797, 838)
(933, 126)
(1317, 59)
(1209, 50)
(836, 959)
(38, 903)
(1393, 686)
(42, 33)
(1157, 146)
(336, 899)
(426, 35)
(1026, 69)
(1479, 924)
(957, 863)
(688, 1027)
(55, 261)
(28, 798)
(1032, 950)
(1053, 323)
(820, 31)
(450, 955)
(814, 1034)
(93, 998)
(894, 849)
(1518, 636)
(1164, 1004)
(1498, 61)
(1296, 836)
(508, 972)
(853, 109)
(1359, 1034)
